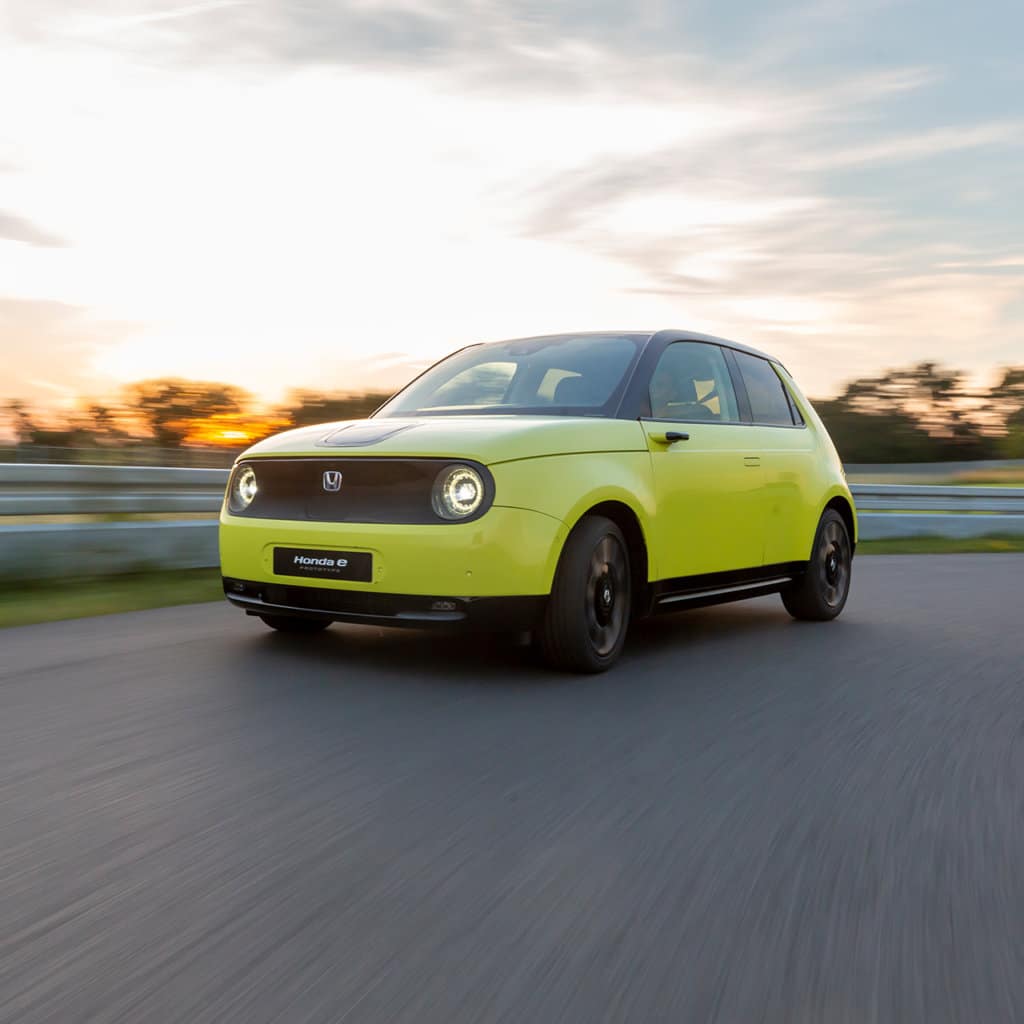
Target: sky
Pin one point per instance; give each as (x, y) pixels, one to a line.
(332, 193)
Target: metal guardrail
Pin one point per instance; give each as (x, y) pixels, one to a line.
(925, 472)
(925, 498)
(119, 455)
(38, 550)
(38, 490)
(886, 511)
(44, 490)
(44, 550)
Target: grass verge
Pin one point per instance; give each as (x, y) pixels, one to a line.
(50, 600)
(939, 545)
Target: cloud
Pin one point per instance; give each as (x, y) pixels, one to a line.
(770, 231)
(101, 24)
(403, 172)
(17, 229)
(224, 31)
(506, 42)
(919, 146)
(48, 348)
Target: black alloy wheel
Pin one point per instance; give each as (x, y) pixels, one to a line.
(821, 592)
(588, 613)
(834, 564)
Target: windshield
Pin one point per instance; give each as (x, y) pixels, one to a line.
(577, 375)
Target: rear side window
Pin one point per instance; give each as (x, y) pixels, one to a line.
(692, 383)
(769, 403)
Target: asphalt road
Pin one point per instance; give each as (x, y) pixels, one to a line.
(748, 820)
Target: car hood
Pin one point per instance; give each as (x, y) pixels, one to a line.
(486, 439)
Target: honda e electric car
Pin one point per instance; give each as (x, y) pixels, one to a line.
(563, 485)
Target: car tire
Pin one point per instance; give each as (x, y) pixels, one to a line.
(295, 624)
(587, 615)
(820, 593)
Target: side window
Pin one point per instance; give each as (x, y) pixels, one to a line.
(794, 411)
(691, 383)
(769, 403)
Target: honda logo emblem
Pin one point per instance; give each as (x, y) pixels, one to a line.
(332, 480)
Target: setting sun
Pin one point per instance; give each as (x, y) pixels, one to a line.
(230, 431)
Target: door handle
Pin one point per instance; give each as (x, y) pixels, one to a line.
(752, 460)
(670, 437)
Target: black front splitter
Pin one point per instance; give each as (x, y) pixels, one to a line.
(412, 611)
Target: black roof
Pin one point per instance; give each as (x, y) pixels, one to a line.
(664, 335)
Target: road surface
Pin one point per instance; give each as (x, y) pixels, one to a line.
(749, 819)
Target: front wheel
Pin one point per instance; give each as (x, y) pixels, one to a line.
(587, 615)
(295, 624)
(820, 593)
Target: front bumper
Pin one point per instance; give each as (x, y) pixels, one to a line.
(508, 552)
(375, 609)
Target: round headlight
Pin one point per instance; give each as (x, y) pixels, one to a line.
(458, 492)
(243, 489)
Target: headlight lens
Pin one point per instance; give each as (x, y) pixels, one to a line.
(243, 489)
(458, 492)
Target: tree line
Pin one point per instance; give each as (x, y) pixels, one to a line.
(926, 413)
(172, 412)
(920, 413)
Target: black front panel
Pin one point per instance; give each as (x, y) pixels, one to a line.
(354, 490)
(324, 565)
(504, 613)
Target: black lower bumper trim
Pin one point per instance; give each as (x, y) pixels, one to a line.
(411, 611)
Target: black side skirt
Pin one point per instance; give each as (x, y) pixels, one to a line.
(721, 587)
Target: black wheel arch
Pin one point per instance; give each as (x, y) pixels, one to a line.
(636, 543)
(843, 507)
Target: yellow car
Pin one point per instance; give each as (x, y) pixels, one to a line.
(563, 485)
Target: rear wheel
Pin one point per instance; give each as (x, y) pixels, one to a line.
(295, 623)
(821, 592)
(587, 615)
